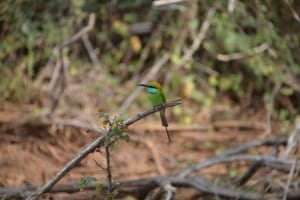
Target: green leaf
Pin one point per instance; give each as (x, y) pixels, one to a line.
(125, 137)
(213, 80)
(208, 144)
(99, 187)
(175, 58)
(286, 91)
(113, 195)
(233, 173)
(85, 181)
(177, 110)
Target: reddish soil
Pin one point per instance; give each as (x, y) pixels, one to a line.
(33, 154)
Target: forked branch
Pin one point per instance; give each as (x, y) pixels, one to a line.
(92, 146)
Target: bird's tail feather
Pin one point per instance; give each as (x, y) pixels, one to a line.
(164, 122)
(169, 138)
(163, 118)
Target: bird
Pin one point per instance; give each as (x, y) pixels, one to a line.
(157, 97)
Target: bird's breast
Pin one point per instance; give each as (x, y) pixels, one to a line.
(152, 90)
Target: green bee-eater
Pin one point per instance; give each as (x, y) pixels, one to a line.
(156, 96)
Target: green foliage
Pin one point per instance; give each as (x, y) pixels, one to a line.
(31, 29)
(113, 195)
(233, 173)
(99, 187)
(116, 125)
(85, 181)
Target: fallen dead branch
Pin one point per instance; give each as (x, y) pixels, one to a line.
(143, 187)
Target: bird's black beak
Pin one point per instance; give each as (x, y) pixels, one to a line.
(143, 85)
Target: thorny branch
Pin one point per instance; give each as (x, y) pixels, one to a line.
(91, 147)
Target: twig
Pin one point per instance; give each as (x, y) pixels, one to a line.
(185, 29)
(99, 165)
(291, 79)
(237, 56)
(107, 150)
(293, 139)
(295, 14)
(270, 107)
(170, 191)
(55, 51)
(268, 160)
(197, 42)
(254, 168)
(231, 5)
(255, 143)
(243, 148)
(81, 33)
(60, 72)
(144, 186)
(157, 159)
(91, 147)
(287, 186)
(58, 83)
(159, 3)
(147, 48)
(89, 47)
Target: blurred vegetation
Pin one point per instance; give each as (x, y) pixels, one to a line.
(31, 29)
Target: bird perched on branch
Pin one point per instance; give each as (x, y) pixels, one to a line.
(157, 97)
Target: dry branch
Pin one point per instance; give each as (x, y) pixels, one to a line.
(240, 55)
(91, 147)
(144, 186)
(181, 179)
(196, 43)
(270, 161)
(81, 33)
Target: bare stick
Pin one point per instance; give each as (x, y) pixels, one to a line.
(231, 5)
(159, 3)
(107, 150)
(153, 150)
(243, 148)
(145, 185)
(270, 107)
(254, 168)
(146, 50)
(89, 47)
(59, 83)
(268, 160)
(293, 139)
(237, 56)
(170, 190)
(255, 143)
(286, 189)
(82, 32)
(197, 42)
(295, 14)
(91, 147)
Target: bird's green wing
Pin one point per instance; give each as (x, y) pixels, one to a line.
(163, 96)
